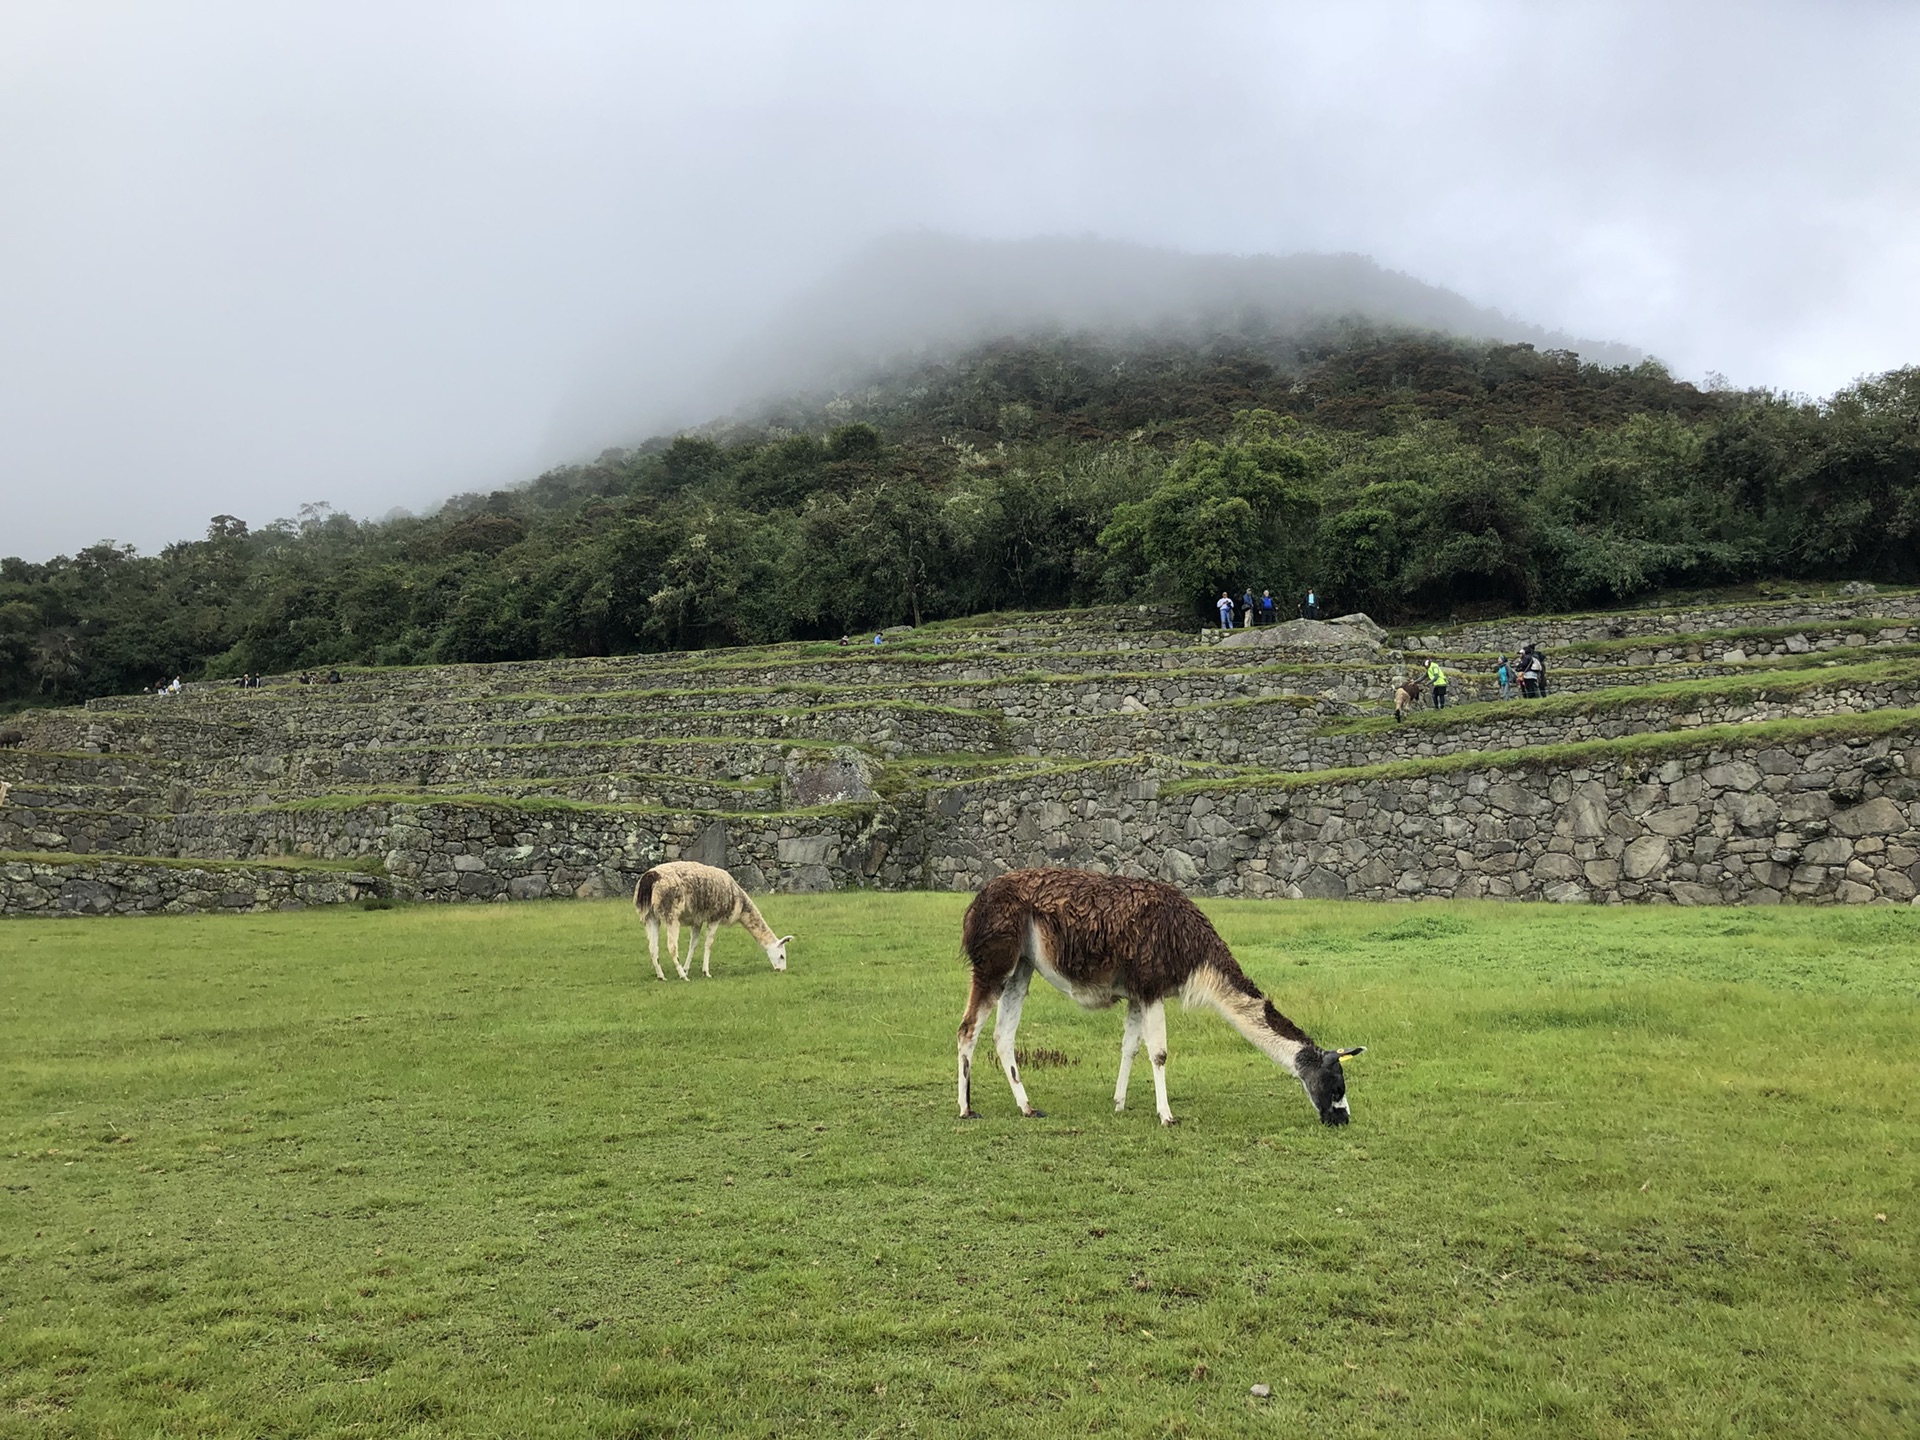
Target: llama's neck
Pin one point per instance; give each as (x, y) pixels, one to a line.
(755, 926)
(1242, 1006)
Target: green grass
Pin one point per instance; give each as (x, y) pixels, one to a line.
(471, 1171)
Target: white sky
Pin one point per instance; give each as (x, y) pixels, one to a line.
(255, 254)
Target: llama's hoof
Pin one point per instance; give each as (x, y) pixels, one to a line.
(969, 1114)
(1034, 1114)
(1168, 1120)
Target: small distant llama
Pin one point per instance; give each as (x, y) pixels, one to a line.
(684, 892)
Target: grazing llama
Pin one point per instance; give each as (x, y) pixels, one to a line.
(684, 891)
(1104, 939)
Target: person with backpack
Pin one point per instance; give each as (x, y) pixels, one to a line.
(1246, 608)
(1530, 674)
(1437, 678)
(1225, 606)
(1504, 675)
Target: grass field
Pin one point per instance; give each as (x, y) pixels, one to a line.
(474, 1171)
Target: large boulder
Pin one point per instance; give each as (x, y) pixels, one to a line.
(840, 776)
(1349, 632)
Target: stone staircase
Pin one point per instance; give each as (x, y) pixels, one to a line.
(1752, 753)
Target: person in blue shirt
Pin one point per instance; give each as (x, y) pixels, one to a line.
(1313, 606)
(1266, 607)
(1505, 676)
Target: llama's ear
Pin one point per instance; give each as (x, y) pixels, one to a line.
(785, 938)
(1341, 1055)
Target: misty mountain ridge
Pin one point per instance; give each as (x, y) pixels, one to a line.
(908, 300)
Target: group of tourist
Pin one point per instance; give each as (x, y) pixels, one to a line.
(1529, 672)
(1262, 611)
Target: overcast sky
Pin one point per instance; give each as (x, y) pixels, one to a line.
(256, 254)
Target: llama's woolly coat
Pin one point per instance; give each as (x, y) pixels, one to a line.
(1142, 939)
(686, 892)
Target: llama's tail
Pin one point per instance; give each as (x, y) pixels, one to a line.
(643, 892)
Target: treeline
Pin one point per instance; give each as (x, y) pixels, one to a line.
(1407, 476)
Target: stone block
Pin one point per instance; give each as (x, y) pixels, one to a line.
(1734, 775)
(1645, 857)
(804, 850)
(1322, 884)
(1687, 893)
(1878, 816)
(1566, 892)
(1556, 867)
(1676, 821)
(1752, 811)
(1602, 874)
(1831, 851)
(1854, 893)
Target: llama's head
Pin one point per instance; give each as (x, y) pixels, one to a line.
(777, 952)
(1326, 1082)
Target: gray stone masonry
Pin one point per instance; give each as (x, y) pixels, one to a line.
(1814, 822)
(130, 887)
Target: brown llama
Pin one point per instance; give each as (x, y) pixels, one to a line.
(685, 891)
(1103, 939)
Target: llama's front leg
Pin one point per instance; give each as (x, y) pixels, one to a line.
(673, 947)
(653, 946)
(1004, 1026)
(977, 1001)
(706, 960)
(1154, 1032)
(1129, 1043)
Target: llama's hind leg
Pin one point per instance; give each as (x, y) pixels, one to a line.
(1154, 1032)
(706, 960)
(1012, 998)
(1129, 1043)
(673, 947)
(653, 945)
(979, 997)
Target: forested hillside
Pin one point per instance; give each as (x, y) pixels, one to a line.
(1407, 475)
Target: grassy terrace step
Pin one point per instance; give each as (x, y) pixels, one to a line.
(1766, 684)
(1784, 606)
(758, 793)
(1605, 651)
(1627, 749)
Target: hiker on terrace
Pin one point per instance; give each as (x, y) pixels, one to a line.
(1437, 678)
(1246, 608)
(1225, 606)
(1266, 607)
(1529, 683)
(1505, 676)
(1313, 606)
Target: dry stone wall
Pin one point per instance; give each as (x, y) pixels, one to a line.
(1812, 822)
(137, 887)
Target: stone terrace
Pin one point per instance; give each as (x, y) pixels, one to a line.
(1751, 753)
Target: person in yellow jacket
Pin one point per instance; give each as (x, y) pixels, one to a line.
(1437, 678)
